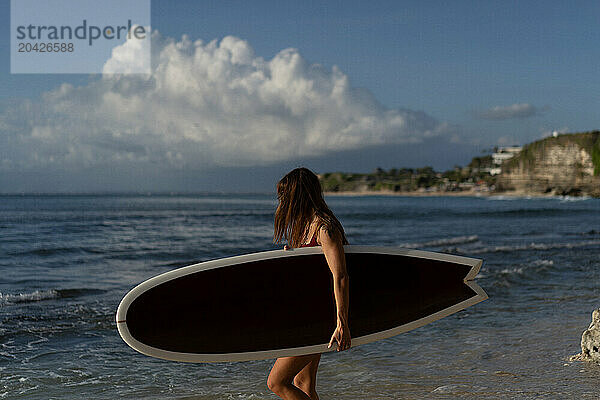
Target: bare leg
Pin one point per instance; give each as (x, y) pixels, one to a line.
(282, 375)
(306, 379)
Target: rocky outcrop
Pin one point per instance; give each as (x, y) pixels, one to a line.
(590, 341)
(562, 165)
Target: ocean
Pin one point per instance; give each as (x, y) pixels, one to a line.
(66, 261)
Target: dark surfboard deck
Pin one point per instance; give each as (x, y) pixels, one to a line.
(280, 303)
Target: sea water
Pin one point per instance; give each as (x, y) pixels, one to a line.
(66, 262)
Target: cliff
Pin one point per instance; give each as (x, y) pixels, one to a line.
(567, 164)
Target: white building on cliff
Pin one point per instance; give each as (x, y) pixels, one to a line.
(501, 155)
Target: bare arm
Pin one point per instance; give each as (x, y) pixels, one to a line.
(334, 254)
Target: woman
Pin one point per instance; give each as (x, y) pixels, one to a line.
(303, 219)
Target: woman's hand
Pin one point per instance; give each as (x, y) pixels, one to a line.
(286, 247)
(341, 336)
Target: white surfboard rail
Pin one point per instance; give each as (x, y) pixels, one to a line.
(473, 263)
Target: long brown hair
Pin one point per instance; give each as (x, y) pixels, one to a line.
(300, 202)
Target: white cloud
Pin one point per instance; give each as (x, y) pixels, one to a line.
(522, 110)
(131, 57)
(205, 104)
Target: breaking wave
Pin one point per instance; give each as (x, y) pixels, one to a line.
(442, 242)
(38, 295)
(543, 263)
(41, 295)
(524, 247)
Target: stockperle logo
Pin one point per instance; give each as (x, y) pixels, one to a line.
(78, 36)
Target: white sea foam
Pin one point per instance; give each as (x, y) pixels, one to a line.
(511, 271)
(500, 197)
(28, 297)
(542, 263)
(451, 389)
(443, 242)
(456, 389)
(530, 246)
(524, 197)
(573, 198)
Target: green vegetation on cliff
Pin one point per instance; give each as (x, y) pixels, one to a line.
(410, 180)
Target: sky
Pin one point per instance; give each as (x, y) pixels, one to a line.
(242, 91)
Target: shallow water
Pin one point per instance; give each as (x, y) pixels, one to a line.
(66, 262)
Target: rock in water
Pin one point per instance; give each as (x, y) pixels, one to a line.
(590, 341)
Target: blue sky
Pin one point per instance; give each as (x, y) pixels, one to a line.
(469, 74)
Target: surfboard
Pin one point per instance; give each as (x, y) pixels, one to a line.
(280, 303)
